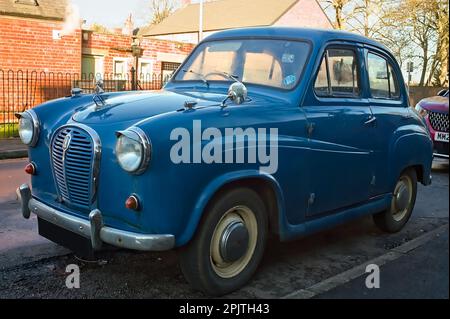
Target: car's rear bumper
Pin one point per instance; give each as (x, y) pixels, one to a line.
(93, 229)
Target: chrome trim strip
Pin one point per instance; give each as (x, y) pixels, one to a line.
(112, 236)
(97, 147)
(146, 144)
(441, 155)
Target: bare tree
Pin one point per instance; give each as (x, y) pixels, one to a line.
(338, 8)
(366, 17)
(161, 9)
(413, 30)
(425, 23)
(438, 74)
(99, 28)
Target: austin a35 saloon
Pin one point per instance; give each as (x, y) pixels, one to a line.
(260, 132)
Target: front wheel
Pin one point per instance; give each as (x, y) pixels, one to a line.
(228, 245)
(403, 199)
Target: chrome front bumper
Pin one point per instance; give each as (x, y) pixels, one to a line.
(93, 228)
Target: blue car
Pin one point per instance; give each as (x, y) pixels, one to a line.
(261, 131)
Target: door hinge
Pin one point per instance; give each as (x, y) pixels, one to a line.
(311, 199)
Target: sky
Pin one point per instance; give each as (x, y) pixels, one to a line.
(112, 13)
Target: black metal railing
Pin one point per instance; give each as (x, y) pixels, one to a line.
(22, 90)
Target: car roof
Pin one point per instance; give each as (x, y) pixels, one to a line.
(315, 35)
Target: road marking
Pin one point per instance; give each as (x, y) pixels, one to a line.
(360, 270)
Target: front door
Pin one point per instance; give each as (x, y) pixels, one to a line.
(340, 125)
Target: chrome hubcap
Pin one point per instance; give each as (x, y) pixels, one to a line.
(233, 241)
(402, 198)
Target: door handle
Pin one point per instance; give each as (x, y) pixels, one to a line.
(370, 120)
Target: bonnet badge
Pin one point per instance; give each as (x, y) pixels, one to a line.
(66, 142)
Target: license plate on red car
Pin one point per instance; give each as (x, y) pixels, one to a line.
(441, 137)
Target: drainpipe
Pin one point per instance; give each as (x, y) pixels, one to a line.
(200, 22)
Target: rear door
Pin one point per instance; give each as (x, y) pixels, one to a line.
(340, 125)
(389, 104)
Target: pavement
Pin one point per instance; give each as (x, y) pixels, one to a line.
(12, 148)
(426, 268)
(330, 264)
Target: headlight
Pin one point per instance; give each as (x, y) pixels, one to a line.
(421, 111)
(133, 150)
(28, 127)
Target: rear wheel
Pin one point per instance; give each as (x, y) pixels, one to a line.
(404, 197)
(228, 245)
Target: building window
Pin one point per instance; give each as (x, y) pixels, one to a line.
(145, 70)
(27, 2)
(120, 68)
(167, 69)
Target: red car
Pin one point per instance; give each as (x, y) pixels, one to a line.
(434, 110)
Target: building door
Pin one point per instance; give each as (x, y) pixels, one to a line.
(88, 65)
(91, 65)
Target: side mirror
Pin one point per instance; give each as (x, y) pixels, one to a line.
(237, 92)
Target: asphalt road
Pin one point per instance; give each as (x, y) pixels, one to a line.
(32, 267)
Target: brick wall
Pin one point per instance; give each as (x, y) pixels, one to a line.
(29, 44)
(29, 52)
(35, 67)
(110, 46)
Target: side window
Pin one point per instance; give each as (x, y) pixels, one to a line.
(393, 84)
(321, 85)
(382, 78)
(338, 74)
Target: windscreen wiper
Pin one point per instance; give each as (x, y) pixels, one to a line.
(228, 75)
(201, 76)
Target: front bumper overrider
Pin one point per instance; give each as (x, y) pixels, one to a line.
(93, 229)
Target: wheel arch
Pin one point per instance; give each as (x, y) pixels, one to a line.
(264, 185)
(411, 148)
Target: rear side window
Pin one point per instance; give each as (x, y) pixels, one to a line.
(382, 78)
(338, 74)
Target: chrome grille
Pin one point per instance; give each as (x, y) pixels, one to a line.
(439, 121)
(73, 166)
